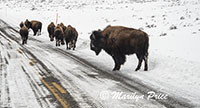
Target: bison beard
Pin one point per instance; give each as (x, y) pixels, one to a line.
(120, 41)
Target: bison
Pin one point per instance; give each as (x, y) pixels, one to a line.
(70, 35)
(50, 29)
(119, 41)
(24, 34)
(36, 26)
(58, 33)
(63, 26)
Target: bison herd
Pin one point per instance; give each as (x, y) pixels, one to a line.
(117, 41)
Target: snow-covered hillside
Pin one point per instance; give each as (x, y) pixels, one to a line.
(173, 27)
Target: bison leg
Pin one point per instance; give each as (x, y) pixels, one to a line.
(22, 42)
(26, 40)
(74, 45)
(56, 42)
(117, 66)
(39, 32)
(146, 63)
(62, 42)
(35, 32)
(67, 44)
(119, 60)
(140, 58)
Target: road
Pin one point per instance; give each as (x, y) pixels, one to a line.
(40, 75)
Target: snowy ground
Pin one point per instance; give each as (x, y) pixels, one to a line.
(173, 28)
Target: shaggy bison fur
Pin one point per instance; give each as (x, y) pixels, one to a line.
(119, 41)
(36, 26)
(63, 26)
(58, 33)
(70, 35)
(24, 34)
(50, 30)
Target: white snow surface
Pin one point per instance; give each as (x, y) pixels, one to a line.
(174, 61)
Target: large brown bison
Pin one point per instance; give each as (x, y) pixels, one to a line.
(119, 41)
(70, 35)
(58, 33)
(24, 33)
(50, 30)
(36, 26)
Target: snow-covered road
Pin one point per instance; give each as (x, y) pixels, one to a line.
(41, 75)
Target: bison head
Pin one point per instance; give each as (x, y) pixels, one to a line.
(28, 24)
(51, 37)
(97, 42)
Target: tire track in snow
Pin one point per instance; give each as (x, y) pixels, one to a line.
(171, 102)
(36, 90)
(48, 78)
(36, 87)
(5, 100)
(45, 73)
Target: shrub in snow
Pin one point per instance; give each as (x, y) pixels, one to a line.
(151, 26)
(182, 18)
(194, 32)
(173, 27)
(163, 34)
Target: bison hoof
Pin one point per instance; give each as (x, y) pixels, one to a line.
(137, 69)
(115, 69)
(145, 69)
